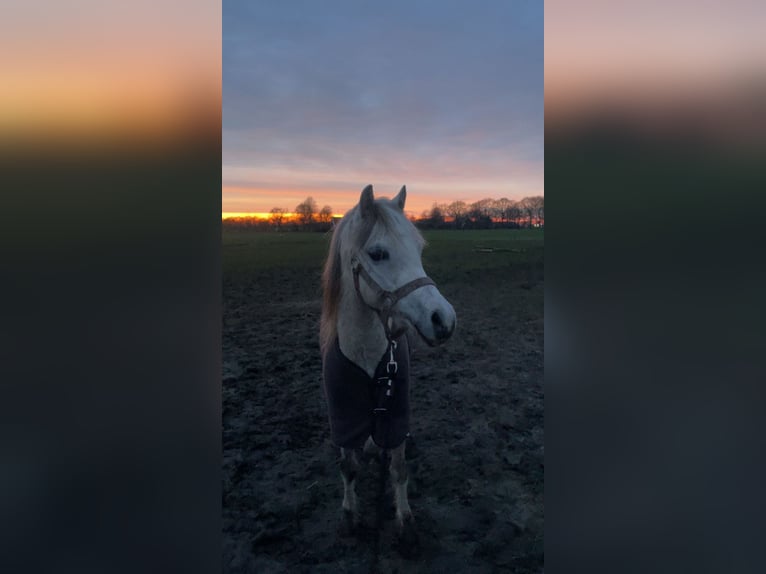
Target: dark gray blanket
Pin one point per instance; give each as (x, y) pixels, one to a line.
(352, 397)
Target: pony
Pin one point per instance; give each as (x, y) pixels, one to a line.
(375, 293)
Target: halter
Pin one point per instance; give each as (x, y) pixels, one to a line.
(389, 298)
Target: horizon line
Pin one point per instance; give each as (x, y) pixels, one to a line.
(409, 213)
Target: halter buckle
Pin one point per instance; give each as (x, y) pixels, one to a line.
(388, 303)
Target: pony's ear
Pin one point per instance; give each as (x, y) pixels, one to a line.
(366, 201)
(401, 197)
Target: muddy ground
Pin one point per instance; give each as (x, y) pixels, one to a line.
(476, 454)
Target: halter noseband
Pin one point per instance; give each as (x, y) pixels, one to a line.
(389, 298)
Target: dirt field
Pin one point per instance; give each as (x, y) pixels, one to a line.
(476, 456)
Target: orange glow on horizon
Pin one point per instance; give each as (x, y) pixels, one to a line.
(287, 216)
(245, 201)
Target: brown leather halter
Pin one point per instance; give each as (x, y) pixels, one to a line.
(389, 298)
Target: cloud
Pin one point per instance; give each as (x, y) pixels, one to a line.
(427, 92)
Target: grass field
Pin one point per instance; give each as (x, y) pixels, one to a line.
(475, 455)
(447, 250)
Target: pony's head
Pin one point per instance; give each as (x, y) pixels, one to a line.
(375, 256)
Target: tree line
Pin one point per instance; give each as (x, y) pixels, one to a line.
(307, 216)
(485, 213)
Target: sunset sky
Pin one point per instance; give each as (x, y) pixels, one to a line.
(322, 99)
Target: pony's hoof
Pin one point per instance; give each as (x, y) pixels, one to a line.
(349, 524)
(409, 540)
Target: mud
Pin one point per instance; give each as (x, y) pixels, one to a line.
(476, 454)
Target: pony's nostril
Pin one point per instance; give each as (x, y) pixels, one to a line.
(436, 319)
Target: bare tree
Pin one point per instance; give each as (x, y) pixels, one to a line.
(514, 213)
(533, 208)
(525, 210)
(277, 217)
(503, 209)
(457, 210)
(325, 215)
(306, 211)
(437, 215)
(480, 212)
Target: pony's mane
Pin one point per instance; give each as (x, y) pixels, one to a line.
(332, 273)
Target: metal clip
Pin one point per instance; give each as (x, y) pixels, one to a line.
(389, 367)
(379, 410)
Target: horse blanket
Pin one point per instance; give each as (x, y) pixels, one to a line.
(353, 397)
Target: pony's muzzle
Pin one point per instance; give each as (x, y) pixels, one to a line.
(442, 329)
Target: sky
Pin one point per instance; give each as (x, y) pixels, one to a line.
(322, 98)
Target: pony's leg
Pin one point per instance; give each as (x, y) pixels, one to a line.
(399, 478)
(408, 537)
(349, 466)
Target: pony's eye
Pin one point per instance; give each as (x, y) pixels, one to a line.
(378, 254)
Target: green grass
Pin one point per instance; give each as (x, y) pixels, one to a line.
(446, 251)
(259, 251)
(449, 250)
